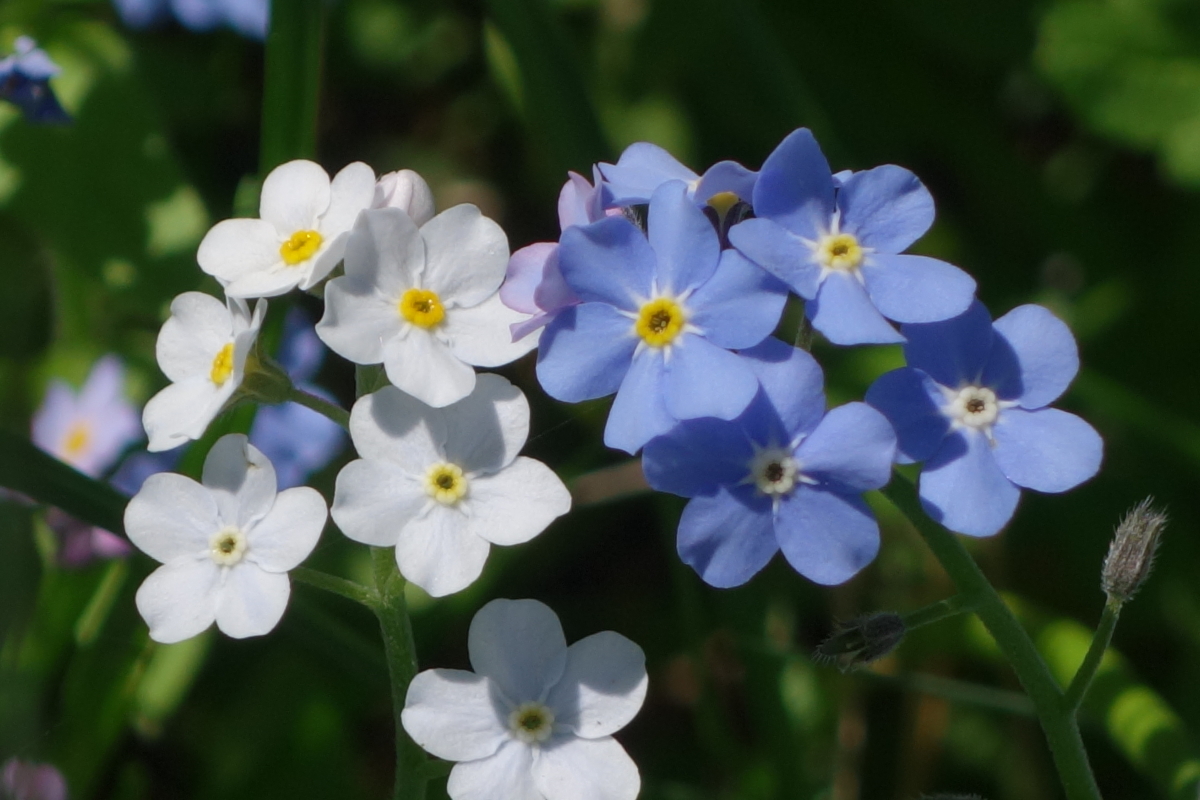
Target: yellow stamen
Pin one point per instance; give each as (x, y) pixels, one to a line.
(222, 366)
(840, 251)
(446, 483)
(300, 247)
(660, 321)
(422, 308)
(722, 202)
(76, 440)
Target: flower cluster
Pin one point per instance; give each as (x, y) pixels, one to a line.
(25, 82)
(248, 17)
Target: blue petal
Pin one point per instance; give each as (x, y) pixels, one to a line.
(296, 439)
(852, 449)
(911, 401)
(793, 384)
(917, 288)
(641, 169)
(779, 252)
(302, 351)
(740, 305)
(609, 261)
(1047, 450)
(726, 176)
(963, 488)
(197, 15)
(795, 186)
(684, 241)
(639, 413)
(843, 312)
(727, 538)
(697, 457)
(886, 208)
(826, 536)
(1034, 357)
(141, 13)
(585, 352)
(954, 351)
(702, 380)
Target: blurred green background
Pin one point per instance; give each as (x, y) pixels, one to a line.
(1061, 141)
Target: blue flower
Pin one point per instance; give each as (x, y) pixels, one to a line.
(836, 240)
(644, 167)
(657, 315)
(25, 81)
(249, 18)
(784, 475)
(972, 404)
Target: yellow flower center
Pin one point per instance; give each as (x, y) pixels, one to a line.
(721, 202)
(300, 247)
(422, 308)
(222, 366)
(446, 483)
(660, 321)
(76, 440)
(227, 546)
(840, 251)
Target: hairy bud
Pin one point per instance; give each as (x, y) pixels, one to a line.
(862, 640)
(1131, 555)
(407, 191)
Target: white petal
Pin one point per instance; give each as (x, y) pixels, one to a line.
(385, 254)
(407, 191)
(586, 769)
(352, 190)
(466, 255)
(486, 429)
(181, 412)
(272, 282)
(374, 500)
(241, 478)
(294, 196)
(289, 532)
(480, 335)
(504, 776)
(603, 686)
(517, 503)
(425, 368)
(519, 644)
(179, 600)
(235, 248)
(252, 601)
(355, 325)
(438, 553)
(198, 328)
(453, 714)
(391, 426)
(171, 516)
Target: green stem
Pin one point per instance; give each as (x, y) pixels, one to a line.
(412, 772)
(955, 691)
(339, 586)
(943, 609)
(1058, 722)
(292, 83)
(323, 407)
(1087, 670)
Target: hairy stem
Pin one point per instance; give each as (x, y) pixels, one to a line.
(1087, 670)
(943, 609)
(340, 586)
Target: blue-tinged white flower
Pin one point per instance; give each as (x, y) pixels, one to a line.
(837, 241)
(784, 475)
(424, 302)
(442, 485)
(658, 315)
(535, 719)
(202, 349)
(407, 191)
(300, 237)
(89, 430)
(226, 544)
(644, 167)
(25, 82)
(972, 404)
(249, 18)
(25, 780)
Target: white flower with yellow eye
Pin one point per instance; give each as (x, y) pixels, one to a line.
(202, 349)
(226, 544)
(424, 302)
(441, 485)
(300, 237)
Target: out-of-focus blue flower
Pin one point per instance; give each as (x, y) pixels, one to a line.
(783, 475)
(837, 241)
(25, 81)
(972, 404)
(644, 167)
(248, 17)
(658, 315)
(24, 780)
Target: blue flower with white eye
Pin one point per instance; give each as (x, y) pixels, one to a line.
(785, 475)
(659, 313)
(972, 404)
(838, 242)
(25, 82)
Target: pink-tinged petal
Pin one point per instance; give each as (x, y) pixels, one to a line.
(112, 422)
(518, 644)
(466, 255)
(287, 535)
(1047, 450)
(172, 517)
(352, 190)
(182, 411)
(486, 430)
(391, 426)
(374, 500)
(453, 714)
(198, 328)
(586, 769)
(294, 196)
(427, 369)
(52, 421)
(480, 335)
(524, 275)
(438, 553)
(407, 191)
(577, 202)
(517, 503)
(241, 479)
(29, 781)
(179, 599)
(252, 601)
(235, 248)
(603, 686)
(356, 325)
(505, 774)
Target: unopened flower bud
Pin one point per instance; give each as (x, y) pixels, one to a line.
(1131, 555)
(407, 191)
(863, 640)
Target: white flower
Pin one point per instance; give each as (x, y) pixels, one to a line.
(425, 303)
(443, 485)
(537, 720)
(407, 191)
(89, 430)
(300, 237)
(202, 349)
(226, 544)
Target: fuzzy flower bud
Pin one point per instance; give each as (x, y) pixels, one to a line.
(1131, 554)
(863, 640)
(407, 191)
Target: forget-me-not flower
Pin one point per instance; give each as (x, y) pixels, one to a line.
(25, 82)
(783, 475)
(838, 242)
(26, 780)
(643, 167)
(972, 404)
(249, 18)
(659, 313)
